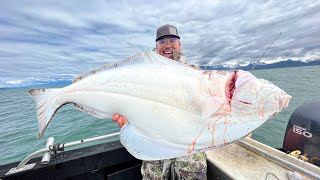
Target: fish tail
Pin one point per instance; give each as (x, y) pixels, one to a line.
(46, 107)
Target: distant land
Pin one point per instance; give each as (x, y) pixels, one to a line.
(257, 66)
(40, 85)
(251, 66)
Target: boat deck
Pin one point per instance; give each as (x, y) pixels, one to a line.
(249, 159)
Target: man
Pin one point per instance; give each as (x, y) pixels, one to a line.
(168, 44)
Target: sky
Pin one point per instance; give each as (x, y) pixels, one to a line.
(44, 41)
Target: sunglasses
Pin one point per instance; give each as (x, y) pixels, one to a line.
(171, 41)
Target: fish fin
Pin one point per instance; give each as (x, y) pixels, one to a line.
(92, 112)
(45, 108)
(211, 106)
(149, 148)
(147, 57)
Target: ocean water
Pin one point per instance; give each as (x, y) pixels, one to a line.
(19, 128)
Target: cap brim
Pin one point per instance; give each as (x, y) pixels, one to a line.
(166, 36)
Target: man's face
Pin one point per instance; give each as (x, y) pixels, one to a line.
(164, 46)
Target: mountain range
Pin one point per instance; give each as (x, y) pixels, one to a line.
(256, 66)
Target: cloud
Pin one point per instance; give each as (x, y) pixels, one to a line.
(55, 39)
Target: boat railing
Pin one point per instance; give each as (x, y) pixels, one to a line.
(52, 148)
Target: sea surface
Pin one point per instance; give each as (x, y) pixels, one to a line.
(19, 128)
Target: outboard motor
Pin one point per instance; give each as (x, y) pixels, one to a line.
(303, 130)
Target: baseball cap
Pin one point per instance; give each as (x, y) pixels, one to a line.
(167, 30)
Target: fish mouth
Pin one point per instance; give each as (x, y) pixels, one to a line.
(231, 86)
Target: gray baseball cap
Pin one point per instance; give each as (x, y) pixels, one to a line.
(167, 30)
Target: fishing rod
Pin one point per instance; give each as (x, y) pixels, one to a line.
(278, 36)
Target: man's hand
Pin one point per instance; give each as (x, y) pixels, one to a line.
(121, 120)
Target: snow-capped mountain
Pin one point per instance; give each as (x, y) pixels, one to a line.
(262, 65)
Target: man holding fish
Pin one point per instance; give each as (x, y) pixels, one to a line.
(194, 166)
(170, 111)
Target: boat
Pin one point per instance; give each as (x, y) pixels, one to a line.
(245, 159)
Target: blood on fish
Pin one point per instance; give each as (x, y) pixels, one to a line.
(261, 108)
(212, 131)
(225, 111)
(231, 87)
(213, 94)
(219, 116)
(190, 150)
(245, 102)
(225, 130)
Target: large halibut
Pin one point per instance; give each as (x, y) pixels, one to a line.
(172, 109)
